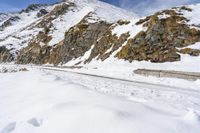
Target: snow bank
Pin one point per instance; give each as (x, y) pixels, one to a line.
(11, 69)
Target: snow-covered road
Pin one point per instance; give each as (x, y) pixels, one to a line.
(50, 101)
(133, 90)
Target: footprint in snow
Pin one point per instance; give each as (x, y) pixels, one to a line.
(9, 128)
(34, 122)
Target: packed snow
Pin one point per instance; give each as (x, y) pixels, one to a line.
(195, 46)
(47, 101)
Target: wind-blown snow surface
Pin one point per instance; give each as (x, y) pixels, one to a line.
(42, 101)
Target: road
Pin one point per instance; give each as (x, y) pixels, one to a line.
(133, 90)
(139, 91)
(134, 83)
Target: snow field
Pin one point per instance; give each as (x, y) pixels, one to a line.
(48, 101)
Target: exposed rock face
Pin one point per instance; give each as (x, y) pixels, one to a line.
(61, 9)
(78, 40)
(106, 45)
(37, 52)
(166, 36)
(85, 36)
(192, 52)
(41, 13)
(159, 42)
(34, 54)
(5, 55)
(32, 7)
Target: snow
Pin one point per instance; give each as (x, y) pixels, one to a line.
(63, 23)
(194, 46)
(113, 67)
(123, 69)
(106, 11)
(193, 16)
(99, 11)
(163, 16)
(82, 58)
(49, 101)
(22, 31)
(19, 33)
(131, 28)
(9, 70)
(3, 17)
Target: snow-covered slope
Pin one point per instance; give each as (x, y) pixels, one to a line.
(16, 30)
(94, 34)
(3, 16)
(100, 10)
(125, 68)
(19, 32)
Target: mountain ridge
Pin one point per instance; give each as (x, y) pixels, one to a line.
(79, 32)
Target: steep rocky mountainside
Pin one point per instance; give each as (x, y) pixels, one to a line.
(166, 32)
(77, 32)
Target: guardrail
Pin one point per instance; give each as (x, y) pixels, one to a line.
(168, 73)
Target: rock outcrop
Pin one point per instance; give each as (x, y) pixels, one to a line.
(163, 36)
(33, 7)
(86, 36)
(41, 13)
(34, 54)
(78, 40)
(37, 51)
(5, 55)
(106, 45)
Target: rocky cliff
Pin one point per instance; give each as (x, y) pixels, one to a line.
(166, 32)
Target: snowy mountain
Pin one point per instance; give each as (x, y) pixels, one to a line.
(87, 32)
(17, 29)
(84, 66)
